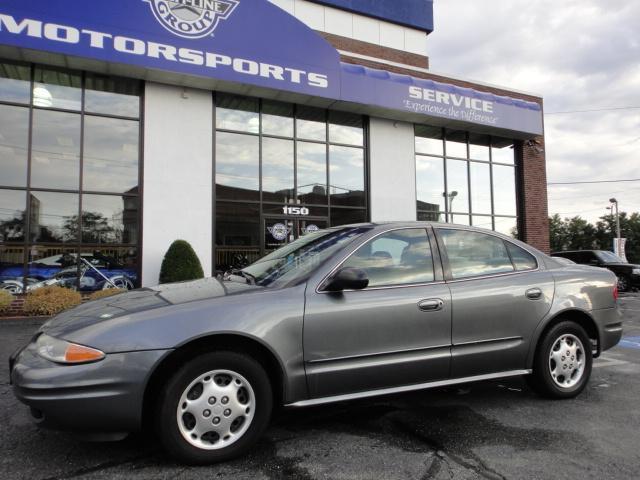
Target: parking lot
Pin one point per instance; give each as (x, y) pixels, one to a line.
(491, 430)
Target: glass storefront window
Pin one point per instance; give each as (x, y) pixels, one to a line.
(456, 144)
(502, 152)
(41, 223)
(429, 140)
(237, 113)
(457, 186)
(12, 215)
(480, 187)
(482, 222)
(112, 96)
(311, 124)
(277, 119)
(57, 89)
(55, 155)
(430, 184)
(347, 176)
(346, 128)
(312, 173)
(237, 166)
(277, 170)
(342, 216)
(111, 154)
(504, 197)
(14, 145)
(479, 147)
(506, 226)
(105, 267)
(15, 83)
(237, 234)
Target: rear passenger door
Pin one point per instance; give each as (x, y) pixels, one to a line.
(499, 294)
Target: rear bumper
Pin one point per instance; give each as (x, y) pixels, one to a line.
(609, 322)
(105, 396)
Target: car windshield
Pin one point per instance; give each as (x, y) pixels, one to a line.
(610, 257)
(292, 262)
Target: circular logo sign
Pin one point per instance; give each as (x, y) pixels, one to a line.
(191, 18)
(311, 228)
(279, 231)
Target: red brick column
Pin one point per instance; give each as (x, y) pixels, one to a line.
(534, 212)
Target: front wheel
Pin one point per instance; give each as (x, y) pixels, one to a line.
(214, 408)
(563, 362)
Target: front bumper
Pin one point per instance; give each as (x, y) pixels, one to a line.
(106, 396)
(609, 322)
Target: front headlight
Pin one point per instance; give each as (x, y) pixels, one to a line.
(635, 271)
(61, 351)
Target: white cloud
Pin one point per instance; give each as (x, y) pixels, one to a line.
(577, 54)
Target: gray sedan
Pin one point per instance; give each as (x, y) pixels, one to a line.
(349, 312)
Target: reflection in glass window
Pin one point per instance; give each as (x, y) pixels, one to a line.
(504, 196)
(522, 259)
(480, 187)
(57, 89)
(311, 124)
(479, 147)
(459, 219)
(507, 226)
(109, 219)
(400, 257)
(277, 119)
(457, 186)
(472, 254)
(14, 145)
(110, 154)
(118, 264)
(346, 128)
(431, 216)
(237, 113)
(277, 170)
(12, 267)
(482, 222)
(503, 154)
(456, 144)
(237, 235)
(347, 176)
(430, 184)
(53, 217)
(15, 83)
(345, 216)
(48, 262)
(55, 159)
(12, 215)
(237, 166)
(429, 140)
(312, 173)
(112, 96)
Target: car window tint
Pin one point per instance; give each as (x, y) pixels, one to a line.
(399, 257)
(522, 259)
(473, 253)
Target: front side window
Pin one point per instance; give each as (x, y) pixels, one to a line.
(399, 257)
(473, 254)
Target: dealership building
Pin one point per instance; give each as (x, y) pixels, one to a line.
(240, 125)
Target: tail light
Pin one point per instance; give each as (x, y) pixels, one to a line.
(615, 292)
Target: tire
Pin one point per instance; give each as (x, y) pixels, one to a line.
(623, 283)
(556, 374)
(208, 386)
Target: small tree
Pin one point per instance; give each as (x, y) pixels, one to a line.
(180, 263)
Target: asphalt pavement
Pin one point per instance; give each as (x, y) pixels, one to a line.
(485, 430)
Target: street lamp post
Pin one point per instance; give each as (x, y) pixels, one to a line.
(618, 245)
(450, 198)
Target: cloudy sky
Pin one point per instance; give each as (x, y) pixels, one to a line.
(579, 55)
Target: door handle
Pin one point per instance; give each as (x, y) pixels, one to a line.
(431, 305)
(533, 293)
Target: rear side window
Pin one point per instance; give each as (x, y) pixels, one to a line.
(472, 254)
(522, 259)
(399, 257)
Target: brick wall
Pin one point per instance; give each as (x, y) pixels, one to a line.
(16, 309)
(534, 223)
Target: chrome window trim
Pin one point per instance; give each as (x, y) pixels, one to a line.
(383, 287)
(406, 388)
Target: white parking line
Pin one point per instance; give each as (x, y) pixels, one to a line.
(608, 362)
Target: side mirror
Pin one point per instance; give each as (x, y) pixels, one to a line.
(347, 279)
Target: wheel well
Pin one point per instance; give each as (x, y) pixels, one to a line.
(226, 342)
(581, 318)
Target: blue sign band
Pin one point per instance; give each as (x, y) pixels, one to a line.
(250, 42)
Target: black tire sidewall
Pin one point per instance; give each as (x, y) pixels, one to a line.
(542, 380)
(165, 416)
(624, 283)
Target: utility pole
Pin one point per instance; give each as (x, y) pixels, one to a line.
(615, 202)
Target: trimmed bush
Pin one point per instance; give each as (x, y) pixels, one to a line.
(51, 300)
(5, 300)
(180, 264)
(107, 292)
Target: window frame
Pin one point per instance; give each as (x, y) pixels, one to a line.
(438, 271)
(446, 265)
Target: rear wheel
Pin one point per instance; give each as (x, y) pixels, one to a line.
(214, 408)
(623, 283)
(563, 362)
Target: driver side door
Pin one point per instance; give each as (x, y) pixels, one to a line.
(395, 332)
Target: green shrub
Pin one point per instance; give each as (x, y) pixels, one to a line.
(108, 292)
(51, 300)
(180, 264)
(5, 300)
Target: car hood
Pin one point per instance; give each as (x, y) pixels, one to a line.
(144, 299)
